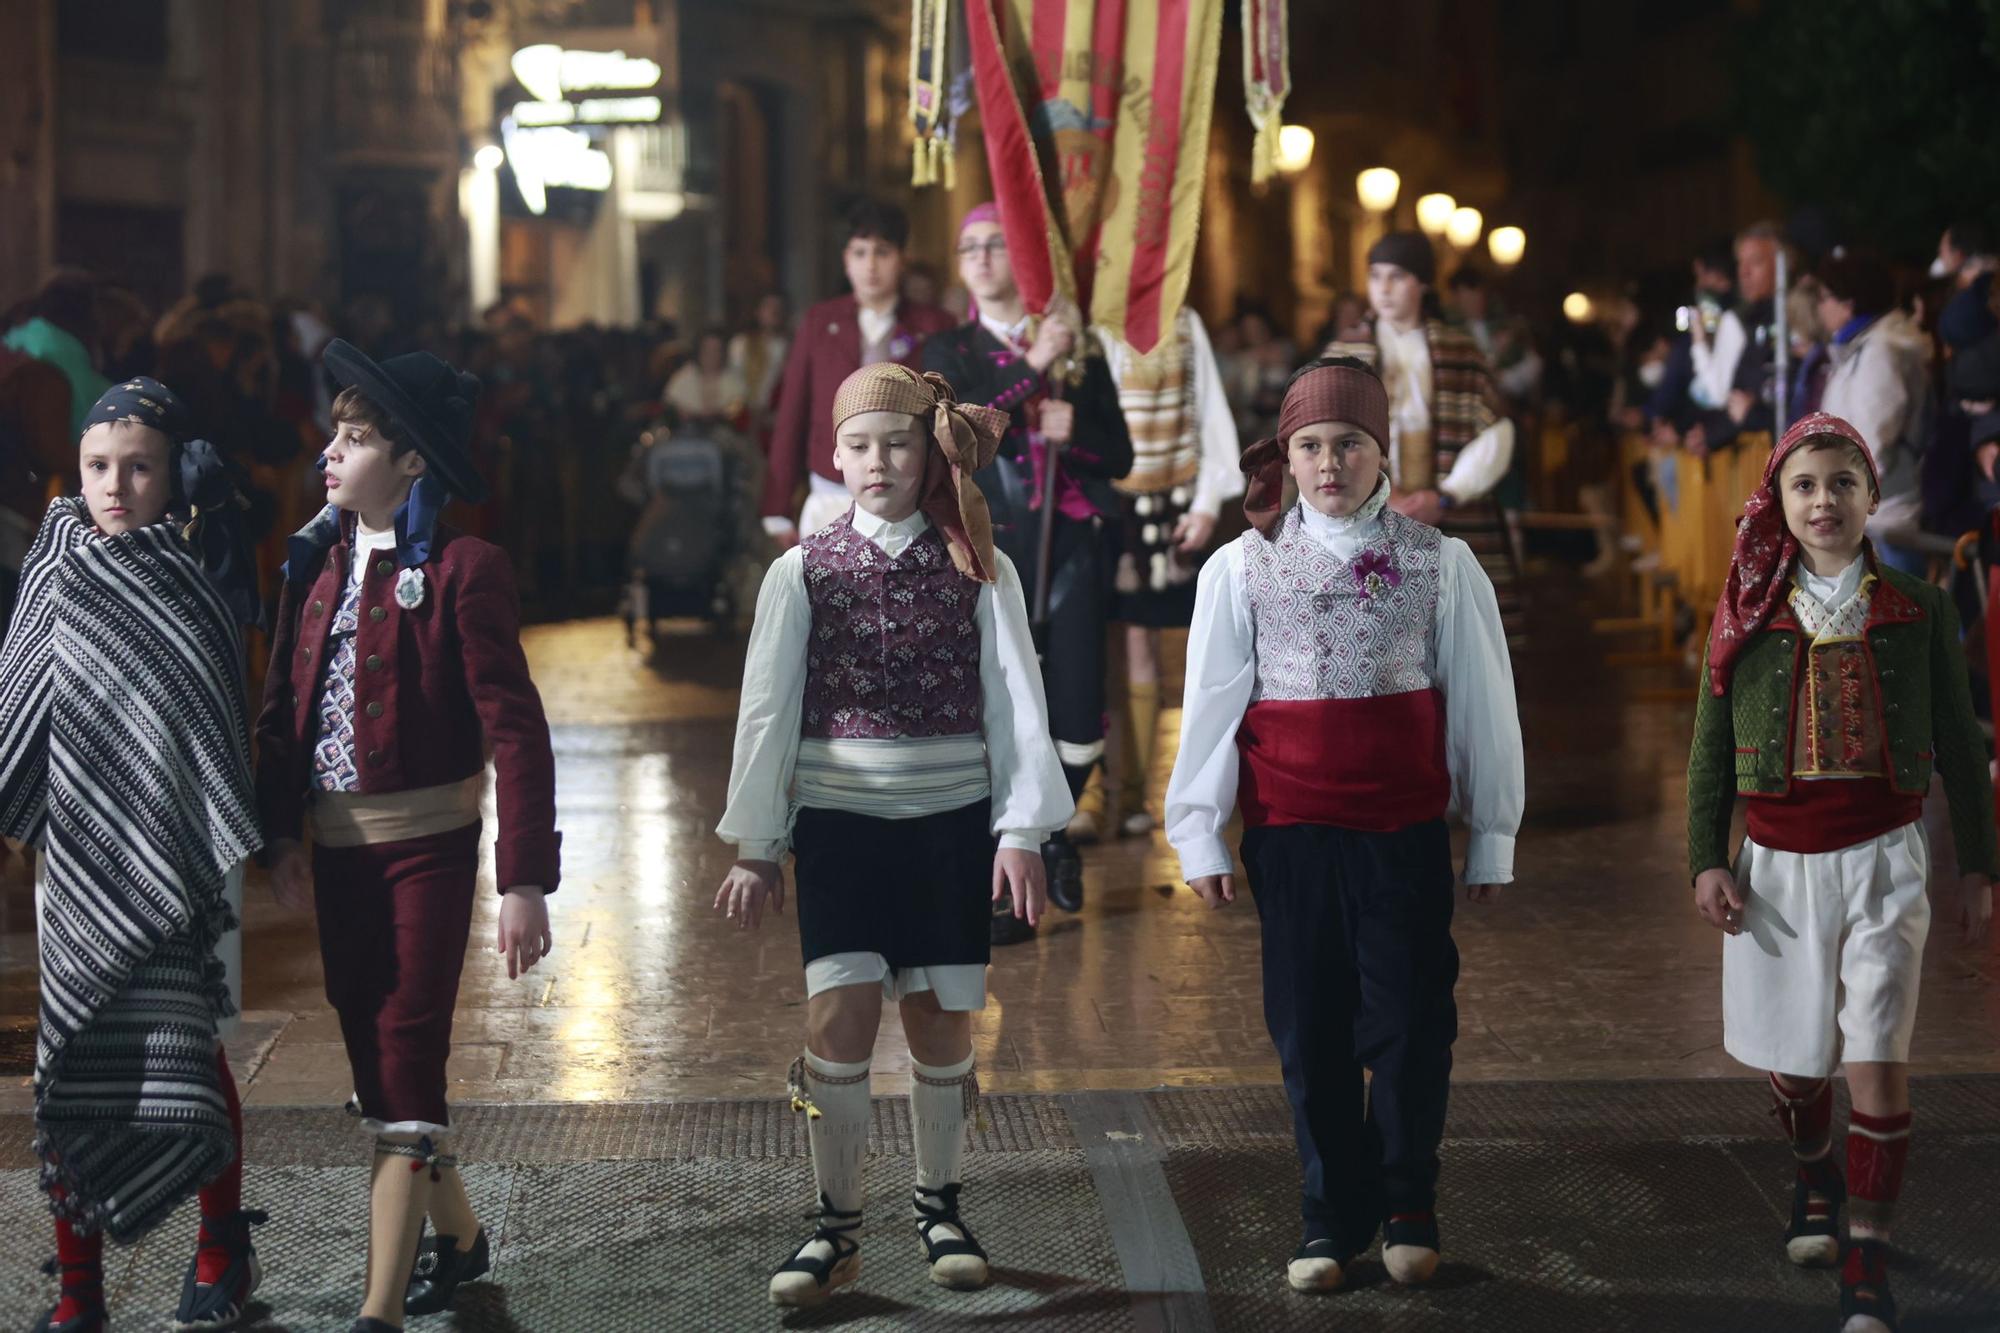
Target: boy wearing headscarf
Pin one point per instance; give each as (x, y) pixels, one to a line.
(893, 736)
(1348, 684)
(1832, 688)
(396, 668)
(124, 757)
(1013, 363)
(1450, 441)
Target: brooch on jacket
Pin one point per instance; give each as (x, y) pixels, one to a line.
(410, 589)
(1375, 573)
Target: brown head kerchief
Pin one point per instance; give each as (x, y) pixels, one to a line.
(1328, 393)
(965, 437)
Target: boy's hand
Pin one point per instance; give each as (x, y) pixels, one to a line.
(1057, 420)
(524, 928)
(1483, 893)
(1215, 890)
(744, 888)
(1975, 906)
(1716, 898)
(291, 875)
(1022, 874)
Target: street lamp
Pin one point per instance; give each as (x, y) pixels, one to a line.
(1577, 308)
(1377, 188)
(1295, 149)
(1463, 227)
(1434, 213)
(1506, 245)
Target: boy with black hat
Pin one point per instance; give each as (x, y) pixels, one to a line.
(396, 665)
(1347, 684)
(1450, 442)
(125, 757)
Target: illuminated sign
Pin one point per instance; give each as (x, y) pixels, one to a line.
(553, 155)
(589, 111)
(552, 73)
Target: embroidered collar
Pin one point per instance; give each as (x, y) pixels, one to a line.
(1358, 526)
(416, 531)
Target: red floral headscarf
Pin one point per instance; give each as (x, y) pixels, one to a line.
(1761, 565)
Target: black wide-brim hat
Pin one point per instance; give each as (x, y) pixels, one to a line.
(431, 404)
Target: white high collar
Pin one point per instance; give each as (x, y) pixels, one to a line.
(890, 537)
(1347, 533)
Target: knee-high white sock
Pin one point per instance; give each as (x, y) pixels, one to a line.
(940, 1098)
(839, 1133)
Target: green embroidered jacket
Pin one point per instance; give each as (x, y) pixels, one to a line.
(1743, 739)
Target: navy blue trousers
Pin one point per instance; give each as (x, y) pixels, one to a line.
(1359, 967)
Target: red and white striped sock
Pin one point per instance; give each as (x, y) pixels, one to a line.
(1877, 1149)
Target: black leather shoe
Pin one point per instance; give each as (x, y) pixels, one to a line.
(1006, 928)
(440, 1269)
(1065, 867)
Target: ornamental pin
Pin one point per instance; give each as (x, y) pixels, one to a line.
(410, 589)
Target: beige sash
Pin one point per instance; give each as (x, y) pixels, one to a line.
(358, 819)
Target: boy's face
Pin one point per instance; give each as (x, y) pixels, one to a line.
(362, 476)
(126, 484)
(1827, 500)
(1396, 293)
(1336, 466)
(881, 457)
(874, 269)
(983, 265)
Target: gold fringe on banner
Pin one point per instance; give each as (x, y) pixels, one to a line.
(1267, 79)
(928, 76)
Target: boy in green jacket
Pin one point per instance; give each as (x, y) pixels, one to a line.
(1834, 684)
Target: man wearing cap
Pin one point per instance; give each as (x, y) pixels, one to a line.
(1008, 361)
(1347, 684)
(1450, 442)
(396, 668)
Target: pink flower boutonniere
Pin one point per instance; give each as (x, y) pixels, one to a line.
(901, 346)
(1375, 573)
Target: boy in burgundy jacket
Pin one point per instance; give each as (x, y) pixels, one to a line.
(837, 337)
(396, 666)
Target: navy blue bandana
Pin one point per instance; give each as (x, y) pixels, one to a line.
(205, 491)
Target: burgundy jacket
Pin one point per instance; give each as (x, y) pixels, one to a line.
(826, 351)
(435, 689)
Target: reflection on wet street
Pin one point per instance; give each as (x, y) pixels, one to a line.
(1592, 966)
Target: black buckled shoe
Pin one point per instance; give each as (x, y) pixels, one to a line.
(956, 1262)
(220, 1304)
(90, 1319)
(1813, 1238)
(1005, 928)
(440, 1270)
(808, 1279)
(1065, 866)
(1865, 1303)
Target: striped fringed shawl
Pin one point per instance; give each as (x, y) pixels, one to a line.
(124, 752)
(1465, 401)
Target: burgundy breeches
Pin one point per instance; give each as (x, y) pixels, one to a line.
(393, 923)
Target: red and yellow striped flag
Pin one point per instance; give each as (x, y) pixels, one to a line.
(1096, 116)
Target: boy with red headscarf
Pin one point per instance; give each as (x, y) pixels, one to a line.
(1833, 686)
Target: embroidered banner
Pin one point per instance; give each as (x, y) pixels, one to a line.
(1096, 115)
(1267, 79)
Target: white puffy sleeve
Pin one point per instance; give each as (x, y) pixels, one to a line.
(1031, 798)
(1482, 721)
(758, 816)
(1221, 675)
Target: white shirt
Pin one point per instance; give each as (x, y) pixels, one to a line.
(1012, 335)
(1482, 725)
(775, 769)
(367, 543)
(1221, 475)
(1406, 372)
(1715, 362)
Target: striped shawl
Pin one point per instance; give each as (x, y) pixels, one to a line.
(1465, 400)
(124, 752)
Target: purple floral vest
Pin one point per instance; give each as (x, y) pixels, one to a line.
(895, 643)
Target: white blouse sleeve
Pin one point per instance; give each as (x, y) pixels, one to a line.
(1482, 464)
(1031, 798)
(1482, 722)
(1221, 475)
(1715, 362)
(758, 816)
(1221, 676)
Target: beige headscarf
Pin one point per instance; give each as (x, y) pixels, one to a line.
(964, 436)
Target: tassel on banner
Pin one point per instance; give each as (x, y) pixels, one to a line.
(920, 164)
(1264, 148)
